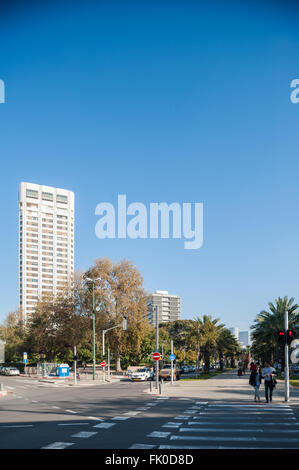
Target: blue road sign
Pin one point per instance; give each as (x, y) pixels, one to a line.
(172, 357)
(25, 361)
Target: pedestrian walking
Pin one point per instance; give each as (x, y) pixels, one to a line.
(268, 376)
(255, 380)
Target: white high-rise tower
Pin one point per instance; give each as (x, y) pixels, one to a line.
(46, 243)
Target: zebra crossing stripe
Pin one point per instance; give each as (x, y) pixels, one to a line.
(159, 434)
(83, 434)
(58, 445)
(142, 446)
(225, 438)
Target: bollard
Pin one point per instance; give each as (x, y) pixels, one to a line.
(1, 388)
(151, 386)
(160, 388)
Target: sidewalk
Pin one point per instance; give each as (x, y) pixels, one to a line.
(225, 387)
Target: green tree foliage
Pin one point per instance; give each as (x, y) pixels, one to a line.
(266, 326)
(119, 292)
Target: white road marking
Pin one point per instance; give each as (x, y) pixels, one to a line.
(211, 447)
(225, 438)
(83, 434)
(58, 445)
(71, 424)
(227, 430)
(141, 446)
(132, 413)
(201, 403)
(261, 423)
(143, 408)
(171, 425)
(240, 418)
(159, 434)
(94, 418)
(104, 425)
(183, 417)
(121, 418)
(16, 426)
(71, 411)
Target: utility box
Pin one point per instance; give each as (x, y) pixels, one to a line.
(63, 370)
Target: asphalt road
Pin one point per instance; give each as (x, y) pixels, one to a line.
(122, 416)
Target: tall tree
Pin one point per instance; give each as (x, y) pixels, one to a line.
(267, 324)
(119, 292)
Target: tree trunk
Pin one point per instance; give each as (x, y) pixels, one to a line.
(117, 359)
(207, 361)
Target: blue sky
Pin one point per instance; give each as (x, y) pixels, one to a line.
(161, 101)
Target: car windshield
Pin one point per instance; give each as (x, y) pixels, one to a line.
(141, 370)
(167, 366)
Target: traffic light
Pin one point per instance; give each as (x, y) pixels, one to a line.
(281, 336)
(290, 336)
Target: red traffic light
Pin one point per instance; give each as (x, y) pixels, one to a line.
(281, 336)
(290, 336)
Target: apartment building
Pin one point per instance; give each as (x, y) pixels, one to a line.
(169, 307)
(46, 243)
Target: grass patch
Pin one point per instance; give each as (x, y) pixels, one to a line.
(295, 382)
(207, 376)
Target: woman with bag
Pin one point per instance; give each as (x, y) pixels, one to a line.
(255, 380)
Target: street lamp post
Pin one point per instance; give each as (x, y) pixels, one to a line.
(124, 325)
(286, 368)
(93, 328)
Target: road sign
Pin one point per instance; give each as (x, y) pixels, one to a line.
(25, 357)
(156, 356)
(103, 363)
(172, 357)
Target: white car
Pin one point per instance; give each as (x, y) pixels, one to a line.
(12, 371)
(142, 374)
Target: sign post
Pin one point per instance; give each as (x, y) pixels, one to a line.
(25, 360)
(157, 348)
(103, 364)
(172, 358)
(286, 354)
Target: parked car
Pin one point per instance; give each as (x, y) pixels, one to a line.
(3, 369)
(184, 369)
(165, 373)
(142, 374)
(11, 371)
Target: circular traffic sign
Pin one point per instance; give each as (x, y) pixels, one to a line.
(172, 357)
(103, 363)
(156, 356)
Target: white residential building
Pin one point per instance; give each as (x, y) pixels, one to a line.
(235, 332)
(244, 338)
(46, 243)
(169, 307)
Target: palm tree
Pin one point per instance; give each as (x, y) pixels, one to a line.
(227, 346)
(268, 323)
(208, 335)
